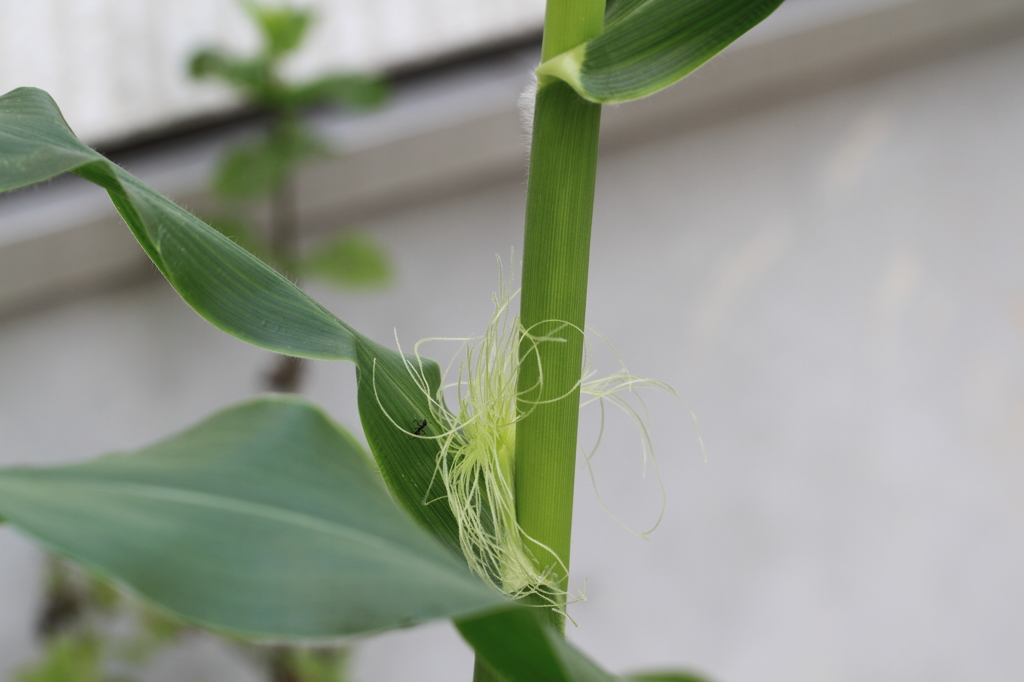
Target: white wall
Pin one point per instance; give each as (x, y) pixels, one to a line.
(118, 68)
(834, 284)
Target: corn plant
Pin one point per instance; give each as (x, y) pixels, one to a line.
(269, 521)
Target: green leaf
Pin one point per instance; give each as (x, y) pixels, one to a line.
(351, 260)
(340, 89)
(66, 659)
(248, 172)
(251, 76)
(220, 280)
(520, 646)
(392, 395)
(666, 676)
(266, 520)
(255, 170)
(648, 45)
(283, 27)
(245, 297)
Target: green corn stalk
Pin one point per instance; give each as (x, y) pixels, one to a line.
(559, 211)
(556, 253)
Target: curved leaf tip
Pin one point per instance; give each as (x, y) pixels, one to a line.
(566, 67)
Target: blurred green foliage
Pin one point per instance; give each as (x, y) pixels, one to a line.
(83, 624)
(66, 659)
(352, 260)
(264, 169)
(666, 676)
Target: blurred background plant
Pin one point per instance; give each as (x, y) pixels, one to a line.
(91, 632)
(94, 633)
(263, 170)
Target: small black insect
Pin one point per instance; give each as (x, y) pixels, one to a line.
(419, 427)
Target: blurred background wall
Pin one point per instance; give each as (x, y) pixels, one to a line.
(116, 66)
(817, 240)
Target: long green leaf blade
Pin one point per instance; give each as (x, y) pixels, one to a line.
(220, 280)
(648, 45)
(266, 520)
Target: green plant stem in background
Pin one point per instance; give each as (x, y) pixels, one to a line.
(556, 252)
(286, 376)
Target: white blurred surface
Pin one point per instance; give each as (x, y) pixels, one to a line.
(117, 68)
(834, 285)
